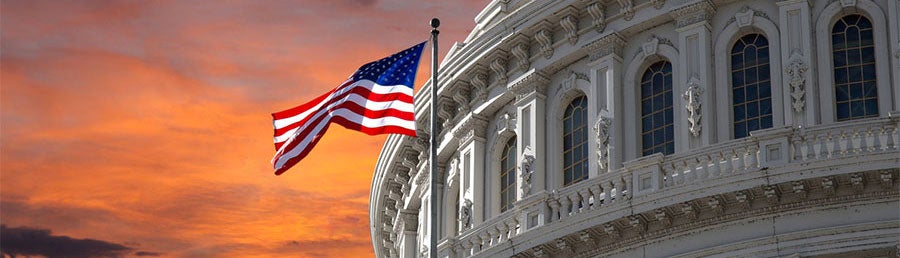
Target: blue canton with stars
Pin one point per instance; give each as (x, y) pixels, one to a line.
(397, 69)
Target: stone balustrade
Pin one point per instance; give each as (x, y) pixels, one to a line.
(662, 176)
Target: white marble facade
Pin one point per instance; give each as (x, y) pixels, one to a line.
(812, 184)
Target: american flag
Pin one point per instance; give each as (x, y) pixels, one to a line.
(376, 99)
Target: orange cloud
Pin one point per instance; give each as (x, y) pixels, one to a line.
(147, 124)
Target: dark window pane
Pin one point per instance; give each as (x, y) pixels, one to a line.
(868, 54)
(749, 55)
(737, 61)
(740, 130)
(657, 103)
(870, 90)
(765, 122)
(840, 58)
(666, 68)
(738, 48)
(853, 57)
(646, 90)
(658, 119)
(852, 36)
(843, 110)
(863, 22)
(657, 84)
(669, 119)
(670, 148)
(762, 56)
(765, 107)
(855, 73)
(752, 110)
(841, 76)
(738, 96)
(856, 108)
(752, 125)
(856, 91)
(871, 107)
(737, 78)
(765, 89)
(839, 27)
(865, 38)
(868, 72)
(752, 93)
(750, 75)
(740, 113)
(646, 141)
(764, 73)
(841, 93)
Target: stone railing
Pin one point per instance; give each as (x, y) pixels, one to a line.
(663, 176)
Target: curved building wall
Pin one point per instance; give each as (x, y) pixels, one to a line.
(656, 128)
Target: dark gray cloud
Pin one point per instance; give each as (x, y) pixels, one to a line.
(32, 241)
(145, 253)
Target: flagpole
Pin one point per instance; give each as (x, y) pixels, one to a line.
(433, 156)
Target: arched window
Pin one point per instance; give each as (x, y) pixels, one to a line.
(657, 131)
(575, 148)
(853, 52)
(508, 175)
(751, 85)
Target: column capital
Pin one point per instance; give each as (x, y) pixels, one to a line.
(474, 126)
(533, 82)
(693, 13)
(611, 44)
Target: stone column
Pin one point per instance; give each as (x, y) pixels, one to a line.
(471, 134)
(531, 121)
(798, 83)
(407, 225)
(894, 42)
(694, 96)
(606, 82)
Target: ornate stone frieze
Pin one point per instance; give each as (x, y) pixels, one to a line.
(693, 13)
(612, 43)
(534, 82)
(692, 97)
(611, 230)
(601, 127)
(716, 204)
(689, 210)
(743, 198)
(637, 222)
(598, 17)
(663, 217)
(521, 50)
(585, 236)
(563, 246)
(795, 71)
(526, 170)
(569, 23)
(828, 185)
(773, 195)
(886, 178)
(544, 38)
(799, 188)
(627, 7)
(857, 181)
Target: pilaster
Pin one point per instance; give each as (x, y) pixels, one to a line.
(894, 28)
(471, 136)
(530, 103)
(606, 74)
(800, 101)
(694, 96)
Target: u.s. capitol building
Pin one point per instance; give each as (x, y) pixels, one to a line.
(656, 128)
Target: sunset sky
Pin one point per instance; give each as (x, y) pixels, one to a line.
(143, 128)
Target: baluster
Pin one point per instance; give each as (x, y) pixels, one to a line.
(566, 206)
(810, 151)
(740, 154)
(690, 171)
(822, 144)
(895, 137)
(494, 235)
(467, 247)
(512, 224)
(554, 209)
(752, 157)
(863, 135)
(629, 187)
(714, 168)
(829, 146)
(668, 170)
(503, 232)
(853, 142)
(795, 144)
(836, 144)
(619, 194)
(679, 173)
(880, 139)
(607, 193)
(703, 165)
(729, 157)
(585, 199)
(595, 190)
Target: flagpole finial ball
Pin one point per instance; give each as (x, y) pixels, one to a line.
(435, 22)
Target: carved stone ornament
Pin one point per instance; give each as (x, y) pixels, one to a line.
(848, 3)
(744, 18)
(598, 18)
(627, 9)
(693, 13)
(545, 39)
(520, 51)
(692, 103)
(526, 171)
(465, 214)
(651, 46)
(795, 71)
(479, 82)
(499, 68)
(602, 130)
(570, 25)
(506, 124)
